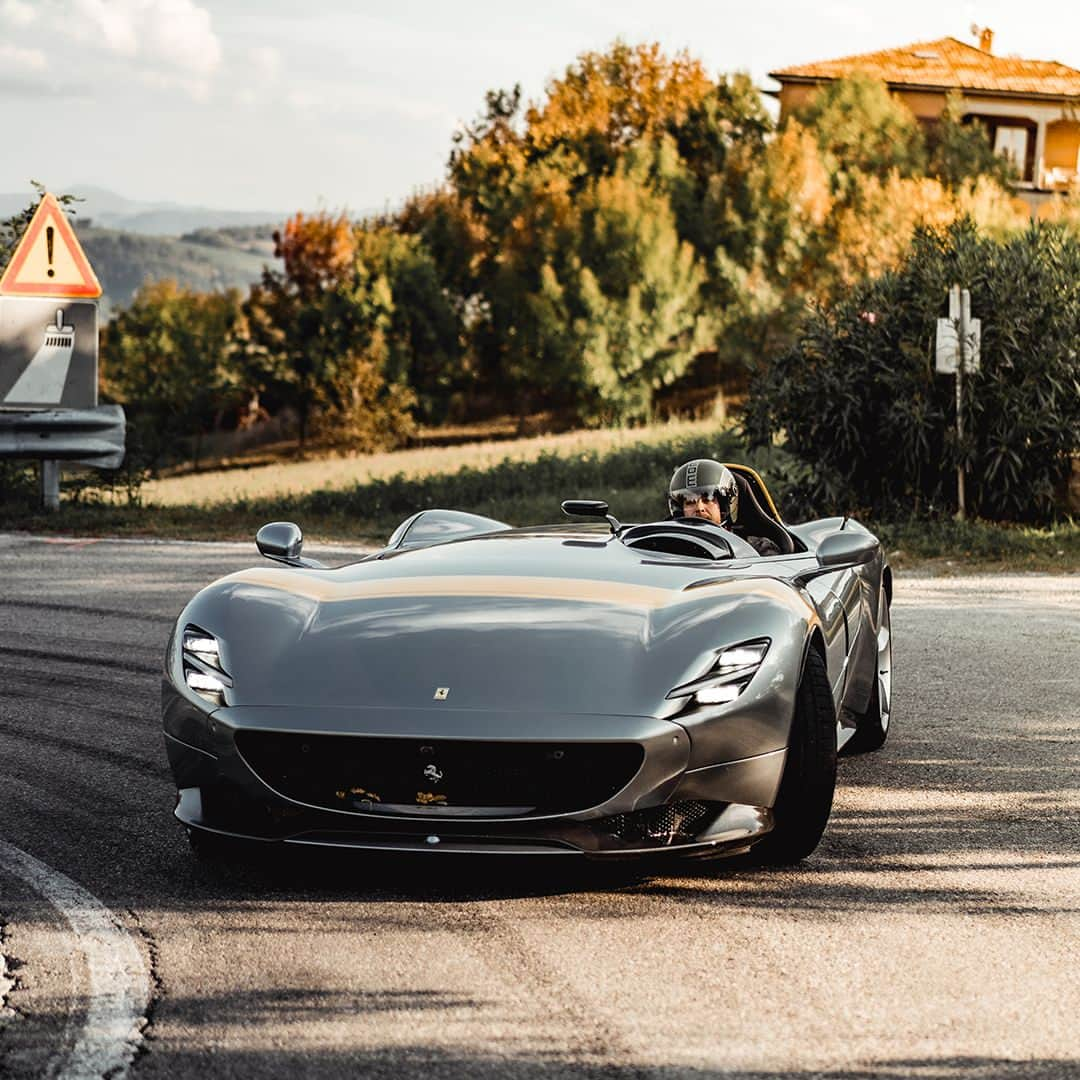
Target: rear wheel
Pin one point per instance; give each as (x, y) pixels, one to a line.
(806, 788)
(872, 727)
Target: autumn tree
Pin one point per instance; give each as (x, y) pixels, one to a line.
(579, 290)
(861, 129)
(317, 337)
(640, 320)
(606, 103)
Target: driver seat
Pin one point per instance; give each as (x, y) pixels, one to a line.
(753, 521)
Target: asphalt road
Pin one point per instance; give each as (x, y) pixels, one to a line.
(935, 933)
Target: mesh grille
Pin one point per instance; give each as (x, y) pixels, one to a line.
(372, 775)
(661, 825)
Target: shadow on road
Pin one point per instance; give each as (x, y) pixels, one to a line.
(435, 1061)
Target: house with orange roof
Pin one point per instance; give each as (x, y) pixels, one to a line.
(1030, 108)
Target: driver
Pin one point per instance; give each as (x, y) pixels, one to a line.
(706, 489)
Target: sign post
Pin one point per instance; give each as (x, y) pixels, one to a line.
(959, 338)
(49, 353)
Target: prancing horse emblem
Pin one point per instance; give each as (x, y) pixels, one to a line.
(442, 693)
(433, 773)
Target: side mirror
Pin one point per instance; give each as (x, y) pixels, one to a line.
(585, 508)
(843, 549)
(280, 540)
(591, 508)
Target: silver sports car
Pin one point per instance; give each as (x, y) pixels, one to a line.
(588, 689)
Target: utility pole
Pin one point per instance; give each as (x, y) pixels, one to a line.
(961, 367)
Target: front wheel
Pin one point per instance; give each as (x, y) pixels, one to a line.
(806, 788)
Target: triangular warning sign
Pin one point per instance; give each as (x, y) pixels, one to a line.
(49, 260)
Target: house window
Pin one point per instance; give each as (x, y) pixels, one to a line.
(1011, 143)
(1013, 137)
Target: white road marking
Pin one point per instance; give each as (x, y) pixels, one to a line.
(118, 984)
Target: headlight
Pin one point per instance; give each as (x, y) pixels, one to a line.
(728, 677)
(203, 671)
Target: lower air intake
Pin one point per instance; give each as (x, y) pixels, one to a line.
(671, 824)
(439, 776)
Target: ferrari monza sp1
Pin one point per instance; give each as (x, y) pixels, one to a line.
(580, 689)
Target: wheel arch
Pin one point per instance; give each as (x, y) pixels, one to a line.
(816, 641)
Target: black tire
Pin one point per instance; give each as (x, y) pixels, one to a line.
(872, 726)
(806, 788)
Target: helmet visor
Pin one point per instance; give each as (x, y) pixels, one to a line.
(690, 496)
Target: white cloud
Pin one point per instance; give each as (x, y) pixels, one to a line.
(369, 99)
(175, 33)
(17, 13)
(180, 33)
(266, 61)
(14, 59)
(109, 21)
(172, 84)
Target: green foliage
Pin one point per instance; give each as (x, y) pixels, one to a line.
(959, 152)
(578, 289)
(639, 229)
(861, 128)
(640, 323)
(421, 329)
(1053, 547)
(170, 360)
(859, 400)
(317, 334)
(562, 236)
(18, 483)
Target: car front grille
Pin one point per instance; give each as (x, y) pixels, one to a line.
(448, 777)
(669, 824)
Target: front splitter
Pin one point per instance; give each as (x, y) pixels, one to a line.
(733, 831)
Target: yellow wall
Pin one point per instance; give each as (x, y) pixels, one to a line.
(794, 96)
(925, 104)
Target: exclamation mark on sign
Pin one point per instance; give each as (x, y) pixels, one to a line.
(49, 248)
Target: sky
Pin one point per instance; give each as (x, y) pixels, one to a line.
(282, 105)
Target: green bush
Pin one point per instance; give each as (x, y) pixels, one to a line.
(859, 401)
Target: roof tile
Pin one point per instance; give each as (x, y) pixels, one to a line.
(951, 64)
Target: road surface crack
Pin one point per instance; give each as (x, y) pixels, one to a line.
(157, 986)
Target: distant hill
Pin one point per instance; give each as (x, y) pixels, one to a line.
(129, 242)
(111, 211)
(206, 259)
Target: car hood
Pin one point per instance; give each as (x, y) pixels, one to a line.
(480, 641)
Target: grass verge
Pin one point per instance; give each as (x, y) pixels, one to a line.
(523, 490)
(293, 479)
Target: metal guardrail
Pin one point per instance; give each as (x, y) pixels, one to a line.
(78, 436)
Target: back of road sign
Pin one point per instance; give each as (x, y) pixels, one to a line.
(49, 260)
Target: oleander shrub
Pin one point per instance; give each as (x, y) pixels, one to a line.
(858, 400)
